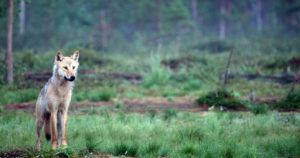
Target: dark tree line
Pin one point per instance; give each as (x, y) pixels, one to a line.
(111, 25)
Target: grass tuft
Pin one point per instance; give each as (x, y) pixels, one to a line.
(125, 149)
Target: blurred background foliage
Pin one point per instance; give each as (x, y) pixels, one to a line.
(179, 47)
(130, 26)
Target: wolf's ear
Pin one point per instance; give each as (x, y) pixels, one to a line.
(75, 56)
(59, 56)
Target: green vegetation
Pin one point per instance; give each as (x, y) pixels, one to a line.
(13, 95)
(259, 109)
(173, 51)
(290, 102)
(220, 97)
(100, 94)
(187, 134)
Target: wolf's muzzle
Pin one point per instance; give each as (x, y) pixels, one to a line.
(72, 78)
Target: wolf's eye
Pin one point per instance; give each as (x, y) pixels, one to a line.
(65, 67)
(73, 67)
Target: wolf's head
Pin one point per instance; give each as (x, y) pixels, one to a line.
(66, 66)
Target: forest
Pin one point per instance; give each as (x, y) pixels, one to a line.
(157, 78)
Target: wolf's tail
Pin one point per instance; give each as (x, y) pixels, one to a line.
(47, 127)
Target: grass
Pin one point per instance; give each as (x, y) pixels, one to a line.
(94, 95)
(185, 135)
(196, 73)
(11, 95)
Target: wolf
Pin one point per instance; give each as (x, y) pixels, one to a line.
(54, 100)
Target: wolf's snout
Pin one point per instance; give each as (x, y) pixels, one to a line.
(72, 78)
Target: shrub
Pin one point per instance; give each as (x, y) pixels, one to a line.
(220, 98)
(290, 102)
(1, 108)
(259, 109)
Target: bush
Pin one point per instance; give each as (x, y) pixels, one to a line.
(220, 98)
(259, 109)
(290, 102)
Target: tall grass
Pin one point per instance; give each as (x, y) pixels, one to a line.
(8, 95)
(185, 135)
(157, 75)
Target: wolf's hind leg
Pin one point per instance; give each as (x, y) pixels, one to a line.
(47, 128)
(39, 126)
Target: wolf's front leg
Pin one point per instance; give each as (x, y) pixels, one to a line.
(64, 138)
(53, 124)
(62, 118)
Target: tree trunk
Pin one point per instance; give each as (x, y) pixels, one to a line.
(227, 70)
(22, 17)
(194, 11)
(177, 44)
(295, 82)
(257, 6)
(158, 24)
(103, 31)
(222, 22)
(8, 56)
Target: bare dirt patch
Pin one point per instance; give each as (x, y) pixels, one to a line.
(144, 104)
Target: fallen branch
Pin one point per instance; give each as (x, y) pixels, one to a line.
(295, 83)
(280, 78)
(44, 76)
